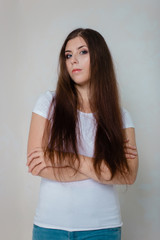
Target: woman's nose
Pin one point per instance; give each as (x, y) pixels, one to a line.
(74, 59)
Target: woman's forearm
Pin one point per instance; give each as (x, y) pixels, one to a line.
(66, 174)
(86, 168)
(86, 171)
(86, 164)
(38, 165)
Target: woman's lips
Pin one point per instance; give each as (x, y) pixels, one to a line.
(76, 70)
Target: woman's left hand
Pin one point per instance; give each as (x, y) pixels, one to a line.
(36, 161)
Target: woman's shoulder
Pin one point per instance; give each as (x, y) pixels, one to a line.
(126, 118)
(43, 102)
(47, 94)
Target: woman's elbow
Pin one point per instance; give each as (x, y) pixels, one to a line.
(106, 175)
(132, 175)
(131, 179)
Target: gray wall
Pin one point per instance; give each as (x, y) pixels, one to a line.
(32, 32)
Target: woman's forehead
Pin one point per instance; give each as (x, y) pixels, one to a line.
(75, 43)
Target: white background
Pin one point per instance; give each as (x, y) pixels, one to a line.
(31, 35)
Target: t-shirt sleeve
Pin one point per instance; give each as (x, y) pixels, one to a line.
(127, 120)
(42, 104)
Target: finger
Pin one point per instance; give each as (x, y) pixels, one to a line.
(31, 158)
(34, 155)
(129, 156)
(127, 145)
(130, 151)
(34, 163)
(34, 150)
(36, 170)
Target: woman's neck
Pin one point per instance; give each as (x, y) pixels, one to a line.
(83, 95)
(85, 108)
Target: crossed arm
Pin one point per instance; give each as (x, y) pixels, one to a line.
(40, 166)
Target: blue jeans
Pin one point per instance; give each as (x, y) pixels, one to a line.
(40, 233)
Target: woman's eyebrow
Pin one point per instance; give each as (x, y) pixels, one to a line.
(77, 48)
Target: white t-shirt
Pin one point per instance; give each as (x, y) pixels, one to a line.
(79, 205)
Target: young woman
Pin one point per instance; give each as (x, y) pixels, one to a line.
(81, 143)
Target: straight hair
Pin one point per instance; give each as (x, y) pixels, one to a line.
(60, 135)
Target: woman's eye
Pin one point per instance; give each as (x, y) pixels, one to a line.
(67, 56)
(84, 52)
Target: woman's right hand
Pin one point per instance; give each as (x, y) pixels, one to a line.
(130, 150)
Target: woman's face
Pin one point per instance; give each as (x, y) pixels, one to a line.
(78, 61)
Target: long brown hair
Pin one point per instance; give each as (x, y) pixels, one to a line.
(61, 133)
